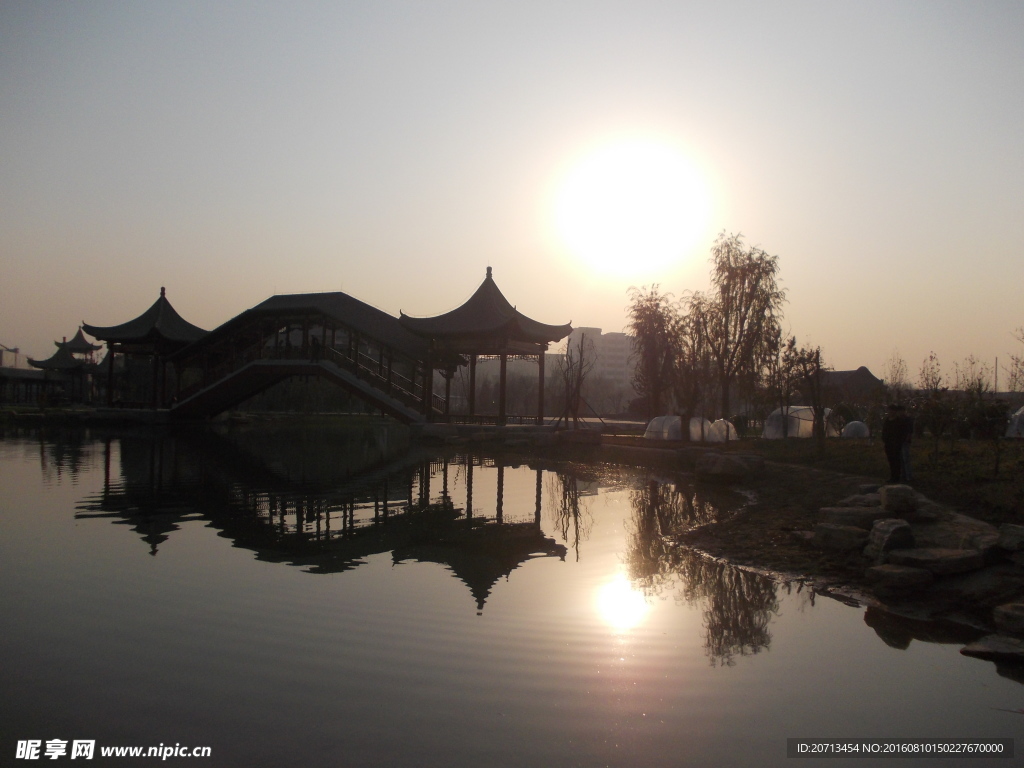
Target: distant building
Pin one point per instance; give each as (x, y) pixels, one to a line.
(612, 355)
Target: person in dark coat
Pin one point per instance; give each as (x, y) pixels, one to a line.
(896, 431)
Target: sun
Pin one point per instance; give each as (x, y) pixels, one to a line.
(632, 206)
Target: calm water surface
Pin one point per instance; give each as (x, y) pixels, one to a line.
(295, 597)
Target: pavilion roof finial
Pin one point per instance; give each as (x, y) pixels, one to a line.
(488, 271)
(161, 291)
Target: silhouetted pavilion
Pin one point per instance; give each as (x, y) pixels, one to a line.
(156, 333)
(79, 345)
(487, 325)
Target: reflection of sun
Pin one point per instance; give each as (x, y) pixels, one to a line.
(621, 606)
(636, 204)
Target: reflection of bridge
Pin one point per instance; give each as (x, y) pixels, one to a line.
(404, 507)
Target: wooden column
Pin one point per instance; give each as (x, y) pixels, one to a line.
(502, 389)
(447, 395)
(110, 375)
(472, 385)
(428, 390)
(540, 387)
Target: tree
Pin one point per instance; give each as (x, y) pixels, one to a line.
(808, 367)
(936, 411)
(654, 326)
(1016, 383)
(574, 369)
(743, 311)
(896, 380)
(693, 381)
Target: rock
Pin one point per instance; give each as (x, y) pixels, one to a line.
(941, 562)
(927, 511)
(900, 500)
(897, 579)
(804, 537)
(861, 500)
(859, 517)
(887, 534)
(1009, 618)
(868, 488)
(1011, 537)
(842, 538)
(956, 531)
(727, 467)
(988, 587)
(996, 647)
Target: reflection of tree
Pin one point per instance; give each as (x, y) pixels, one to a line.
(738, 604)
(572, 517)
(650, 554)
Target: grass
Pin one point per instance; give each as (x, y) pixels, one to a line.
(961, 475)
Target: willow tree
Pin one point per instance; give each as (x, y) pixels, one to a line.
(654, 326)
(744, 307)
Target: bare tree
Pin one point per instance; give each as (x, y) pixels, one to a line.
(896, 380)
(935, 408)
(809, 367)
(1016, 382)
(743, 311)
(574, 368)
(654, 326)
(693, 384)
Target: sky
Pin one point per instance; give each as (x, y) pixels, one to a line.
(231, 151)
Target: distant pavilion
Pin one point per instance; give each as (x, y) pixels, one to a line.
(487, 325)
(155, 334)
(70, 365)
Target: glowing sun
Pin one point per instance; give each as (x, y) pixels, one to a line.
(631, 205)
(621, 606)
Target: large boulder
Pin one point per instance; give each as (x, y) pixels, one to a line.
(873, 499)
(989, 587)
(728, 467)
(899, 500)
(956, 531)
(841, 538)
(888, 534)
(1011, 537)
(859, 517)
(996, 647)
(1009, 618)
(894, 580)
(941, 562)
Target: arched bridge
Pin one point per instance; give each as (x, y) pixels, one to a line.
(331, 335)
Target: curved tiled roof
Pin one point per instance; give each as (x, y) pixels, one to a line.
(486, 313)
(159, 322)
(61, 360)
(354, 313)
(79, 344)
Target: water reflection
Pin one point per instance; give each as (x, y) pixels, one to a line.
(738, 605)
(333, 518)
(620, 605)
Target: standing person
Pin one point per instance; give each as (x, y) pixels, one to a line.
(894, 437)
(908, 428)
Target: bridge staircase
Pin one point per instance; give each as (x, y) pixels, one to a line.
(259, 367)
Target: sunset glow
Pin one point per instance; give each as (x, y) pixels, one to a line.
(632, 206)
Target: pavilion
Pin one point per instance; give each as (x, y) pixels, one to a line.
(155, 334)
(486, 325)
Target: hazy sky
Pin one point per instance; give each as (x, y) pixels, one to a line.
(231, 151)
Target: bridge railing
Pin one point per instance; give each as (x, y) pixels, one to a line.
(366, 368)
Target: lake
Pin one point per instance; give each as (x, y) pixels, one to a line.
(301, 596)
